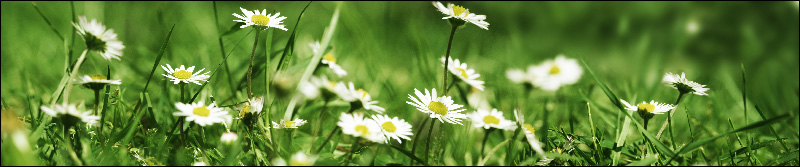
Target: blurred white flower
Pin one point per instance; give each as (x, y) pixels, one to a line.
(96, 81)
(438, 107)
(330, 89)
(356, 125)
(98, 39)
(462, 72)
(362, 96)
(259, 21)
(461, 13)
(182, 74)
(329, 60)
(393, 128)
(552, 74)
(201, 114)
(298, 159)
(684, 85)
(229, 137)
(297, 122)
(692, 27)
(491, 119)
(63, 110)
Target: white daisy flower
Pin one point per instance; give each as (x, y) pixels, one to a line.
(355, 124)
(298, 159)
(465, 74)
(529, 133)
(439, 107)
(461, 13)
(393, 128)
(491, 119)
(96, 81)
(364, 97)
(329, 60)
(289, 124)
(653, 107)
(684, 85)
(331, 89)
(98, 39)
(519, 76)
(185, 75)
(70, 112)
(201, 114)
(315, 47)
(310, 91)
(552, 74)
(478, 99)
(253, 106)
(199, 163)
(258, 20)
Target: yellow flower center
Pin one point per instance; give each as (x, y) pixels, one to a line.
(528, 128)
(329, 57)
(558, 150)
(363, 93)
(458, 10)
(97, 77)
(182, 74)
(245, 110)
(646, 107)
(201, 111)
(463, 73)
(438, 108)
(389, 126)
(362, 129)
(298, 162)
(554, 70)
(491, 120)
(259, 19)
(333, 84)
(287, 123)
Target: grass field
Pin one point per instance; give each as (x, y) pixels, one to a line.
(746, 53)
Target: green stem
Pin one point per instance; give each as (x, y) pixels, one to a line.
(327, 139)
(71, 147)
(672, 112)
(72, 75)
(352, 151)
(183, 92)
(485, 138)
(428, 144)
(447, 59)
(319, 125)
(250, 68)
(414, 146)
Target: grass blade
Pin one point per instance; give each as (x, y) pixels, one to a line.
(290, 44)
(158, 59)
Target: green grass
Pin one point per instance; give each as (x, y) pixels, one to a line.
(745, 52)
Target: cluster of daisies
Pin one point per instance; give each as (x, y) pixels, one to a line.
(647, 110)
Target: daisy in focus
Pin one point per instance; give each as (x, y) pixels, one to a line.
(491, 119)
(465, 74)
(356, 125)
(360, 95)
(96, 81)
(461, 14)
(185, 75)
(648, 110)
(684, 85)
(297, 122)
(70, 114)
(393, 128)
(552, 74)
(298, 159)
(253, 106)
(329, 60)
(441, 108)
(201, 114)
(98, 39)
(259, 20)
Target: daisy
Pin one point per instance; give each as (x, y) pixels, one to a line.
(253, 106)
(330, 89)
(684, 85)
(393, 128)
(552, 74)
(355, 124)
(462, 14)
(519, 76)
(185, 75)
(201, 114)
(439, 107)
(491, 119)
(96, 81)
(298, 159)
(647, 110)
(98, 39)
(364, 98)
(229, 137)
(310, 91)
(465, 74)
(315, 46)
(259, 21)
(289, 124)
(329, 60)
(70, 113)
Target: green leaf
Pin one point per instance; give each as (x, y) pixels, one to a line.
(409, 154)
(647, 161)
(233, 29)
(158, 58)
(603, 86)
(291, 42)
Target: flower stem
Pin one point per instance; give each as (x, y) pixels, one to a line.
(250, 68)
(485, 138)
(669, 122)
(352, 151)
(96, 101)
(428, 144)
(447, 59)
(327, 139)
(71, 146)
(319, 125)
(72, 75)
(414, 146)
(183, 89)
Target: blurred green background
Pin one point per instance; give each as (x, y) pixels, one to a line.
(390, 48)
